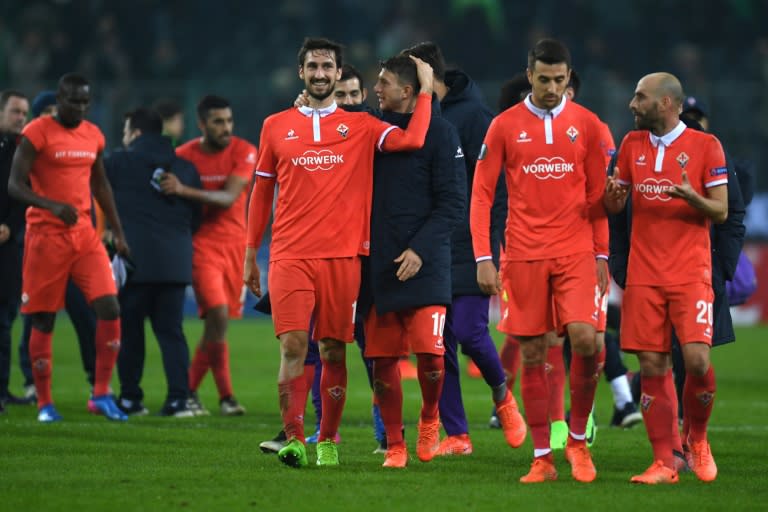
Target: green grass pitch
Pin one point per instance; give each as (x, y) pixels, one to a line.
(214, 463)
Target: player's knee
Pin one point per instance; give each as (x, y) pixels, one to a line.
(582, 340)
(332, 351)
(107, 308)
(43, 322)
(697, 364)
(533, 353)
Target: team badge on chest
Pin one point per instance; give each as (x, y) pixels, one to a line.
(572, 133)
(682, 159)
(343, 130)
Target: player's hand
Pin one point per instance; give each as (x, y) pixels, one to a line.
(425, 74)
(615, 191)
(251, 274)
(170, 184)
(121, 245)
(5, 233)
(488, 278)
(410, 264)
(302, 100)
(684, 190)
(66, 212)
(602, 275)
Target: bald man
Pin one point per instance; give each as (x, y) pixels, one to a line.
(677, 178)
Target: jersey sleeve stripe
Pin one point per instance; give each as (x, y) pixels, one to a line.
(483, 258)
(384, 136)
(715, 183)
(265, 174)
(622, 182)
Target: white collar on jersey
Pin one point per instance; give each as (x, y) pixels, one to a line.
(541, 113)
(322, 112)
(669, 138)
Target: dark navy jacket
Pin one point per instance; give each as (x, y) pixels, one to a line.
(158, 227)
(12, 215)
(465, 109)
(418, 200)
(727, 240)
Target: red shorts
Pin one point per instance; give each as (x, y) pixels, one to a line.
(323, 289)
(397, 334)
(50, 259)
(649, 312)
(217, 276)
(532, 286)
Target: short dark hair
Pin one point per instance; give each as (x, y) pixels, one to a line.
(405, 69)
(144, 119)
(549, 51)
(166, 108)
(321, 43)
(70, 81)
(575, 83)
(430, 53)
(513, 91)
(348, 72)
(208, 103)
(8, 94)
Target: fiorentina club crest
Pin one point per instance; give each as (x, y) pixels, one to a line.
(336, 392)
(646, 401)
(548, 368)
(598, 371)
(705, 398)
(572, 133)
(682, 159)
(343, 130)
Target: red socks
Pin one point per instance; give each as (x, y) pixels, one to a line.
(698, 398)
(583, 383)
(510, 359)
(431, 376)
(198, 367)
(107, 349)
(388, 390)
(535, 391)
(41, 357)
(656, 405)
(293, 400)
(555, 369)
(333, 395)
(218, 355)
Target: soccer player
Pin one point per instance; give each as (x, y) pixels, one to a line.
(467, 317)
(321, 158)
(406, 301)
(75, 304)
(57, 165)
(225, 163)
(350, 89)
(678, 181)
(159, 231)
(549, 148)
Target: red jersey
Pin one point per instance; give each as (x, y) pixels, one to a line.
(670, 242)
(61, 170)
(554, 169)
(238, 159)
(323, 163)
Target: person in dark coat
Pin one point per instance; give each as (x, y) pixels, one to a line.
(418, 200)
(159, 230)
(727, 240)
(463, 106)
(13, 113)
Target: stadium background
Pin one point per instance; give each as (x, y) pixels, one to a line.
(135, 52)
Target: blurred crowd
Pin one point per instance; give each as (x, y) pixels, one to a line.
(144, 49)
